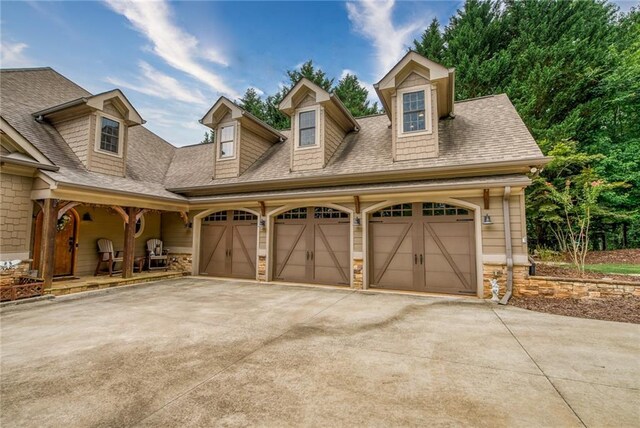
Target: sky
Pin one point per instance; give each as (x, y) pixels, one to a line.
(174, 59)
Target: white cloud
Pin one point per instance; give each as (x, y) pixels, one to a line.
(373, 20)
(259, 91)
(157, 84)
(174, 45)
(12, 54)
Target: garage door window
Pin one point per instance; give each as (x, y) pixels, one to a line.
(435, 209)
(294, 214)
(243, 215)
(219, 216)
(323, 212)
(400, 210)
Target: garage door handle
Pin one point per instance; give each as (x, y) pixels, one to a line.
(415, 259)
(307, 255)
(420, 258)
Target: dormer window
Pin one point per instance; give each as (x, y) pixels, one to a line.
(227, 138)
(109, 135)
(307, 128)
(414, 110)
(413, 117)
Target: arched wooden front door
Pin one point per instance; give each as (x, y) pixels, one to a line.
(65, 246)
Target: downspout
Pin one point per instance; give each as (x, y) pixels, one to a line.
(506, 212)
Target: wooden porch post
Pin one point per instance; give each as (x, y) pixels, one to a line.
(48, 241)
(129, 242)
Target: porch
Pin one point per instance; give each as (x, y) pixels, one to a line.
(79, 284)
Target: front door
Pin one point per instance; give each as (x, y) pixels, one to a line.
(228, 244)
(423, 247)
(312, 244)
(65, 243)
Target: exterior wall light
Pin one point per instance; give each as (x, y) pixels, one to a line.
(262, 223)
(87, 217)
(486, 220)
(356, 221)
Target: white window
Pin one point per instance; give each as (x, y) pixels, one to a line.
(307, 128)
(227, 142)
(413, 112)
(109, 135)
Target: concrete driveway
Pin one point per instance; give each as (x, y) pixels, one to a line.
(198, 352)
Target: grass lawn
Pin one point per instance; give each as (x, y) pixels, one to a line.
(619, 268)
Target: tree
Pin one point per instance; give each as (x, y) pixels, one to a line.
(209, 137)
(432, 44)
(252, 103)
(307, 70)
(354, 96)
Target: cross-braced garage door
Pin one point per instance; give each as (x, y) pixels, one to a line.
(423, 247)
(228, 244)
(312, 244)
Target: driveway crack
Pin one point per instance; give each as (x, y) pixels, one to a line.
(539, 368)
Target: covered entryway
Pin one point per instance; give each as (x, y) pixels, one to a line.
(423, 247)
(228, 244)
(312, 244)
(66, 243)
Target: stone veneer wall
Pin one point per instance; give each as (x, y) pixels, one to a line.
(552, 287)
(180, 262)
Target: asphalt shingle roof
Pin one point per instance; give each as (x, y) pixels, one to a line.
(484, 130)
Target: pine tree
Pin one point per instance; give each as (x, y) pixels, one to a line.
(252, 103)
(307, 70)
(354, 96)
(432, 44)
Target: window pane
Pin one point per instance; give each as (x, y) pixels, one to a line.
(413, 112)
(226, 133)
(226, 149)
(307, 137)
(109, 135)
(307, 119)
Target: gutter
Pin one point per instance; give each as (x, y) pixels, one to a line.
(358, 178)
(35, 165)
(506, 212)
(350, 191)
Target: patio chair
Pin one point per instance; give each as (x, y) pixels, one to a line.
(108, 256)
(155, 253)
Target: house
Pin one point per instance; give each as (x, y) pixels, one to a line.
(428, 196)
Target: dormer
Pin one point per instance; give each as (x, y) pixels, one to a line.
(240, 138)
(416, 94)
(319, 123)
(96, 129)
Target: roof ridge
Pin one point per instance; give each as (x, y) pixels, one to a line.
(11, 70)
(477, 98)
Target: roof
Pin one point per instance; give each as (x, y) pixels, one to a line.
(485, 130)
(25, 91)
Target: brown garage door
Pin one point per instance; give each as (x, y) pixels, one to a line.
(228, 244)
(312, 244)
(423, 247)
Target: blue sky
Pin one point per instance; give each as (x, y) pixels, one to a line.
(174, 59)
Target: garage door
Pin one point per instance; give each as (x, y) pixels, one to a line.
(423, 247)
(228, 244)
(312, 245)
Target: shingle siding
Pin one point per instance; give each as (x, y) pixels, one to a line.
(333, 136)
(411, 147)
(252, 146)
(16, 211)
(76, 132)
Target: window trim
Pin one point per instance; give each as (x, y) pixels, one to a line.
(219, 141)
(297, 145)
(98, 135)
(428, 128)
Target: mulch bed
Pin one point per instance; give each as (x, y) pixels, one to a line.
(622, 309)
(631, 256)
(546, 269)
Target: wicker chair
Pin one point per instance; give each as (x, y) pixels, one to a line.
(156, 254)
(108, 256)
